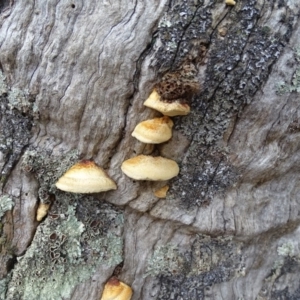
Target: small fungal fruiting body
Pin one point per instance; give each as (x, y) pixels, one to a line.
(162, 192)
(154, 131)
(144, 167)
(116, 290)
(42, 211)
(170, 109)
(85, 177)
(222, 31)
(230, 2)
(183, 82)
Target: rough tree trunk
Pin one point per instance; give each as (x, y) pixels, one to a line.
(74, 78)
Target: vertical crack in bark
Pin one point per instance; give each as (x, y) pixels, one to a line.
(185, 28)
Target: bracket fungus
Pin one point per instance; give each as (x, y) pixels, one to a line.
(42, 211)
(116, 290)
(145, 167)
(170, 109)
(154, 131)
(230, 2)
(85, 177)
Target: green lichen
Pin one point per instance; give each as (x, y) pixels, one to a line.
(207, 253)
(78, 235)
(184, 274)
(3, 286)
(294, 86)
(288, 262)
(68, 247)
(6, 203)
(47, 169)
(165, 260)
(266, 30)
(283, 87)
(19, 99)
(286, 249)
(3, 86)
(17, 110)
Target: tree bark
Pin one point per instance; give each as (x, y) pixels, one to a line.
(73, 82)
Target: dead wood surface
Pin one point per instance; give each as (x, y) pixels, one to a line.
(229, 227)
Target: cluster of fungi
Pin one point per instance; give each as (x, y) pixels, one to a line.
(87, 177)
(155, 131)
(169, 98)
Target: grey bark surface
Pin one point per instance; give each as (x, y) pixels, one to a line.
(75, 76)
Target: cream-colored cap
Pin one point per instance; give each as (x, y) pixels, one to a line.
(116, 290)
(145, 167)
(85, 177)
(42, 211)
(162, 192)
(154, 131)
(230, 2)
(168, 109)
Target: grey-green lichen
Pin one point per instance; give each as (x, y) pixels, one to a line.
(185, 274)
(286, 249)
(3, 86)
(47, 169)
(17, 114)
(78, 236)
(6, 203)
(286, 266)
(236, 66)
(294, 85)
(3, 286)
(18, 99)
(21, 100)
(166, 260)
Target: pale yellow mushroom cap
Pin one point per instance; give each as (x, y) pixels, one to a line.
(168, 109)
(144, 167)
(162, 192)
(85, 177)
(116, 290)
(230, 2)
(42, 211)
(154, 131)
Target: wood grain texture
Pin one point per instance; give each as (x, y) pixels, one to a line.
(228, 228)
